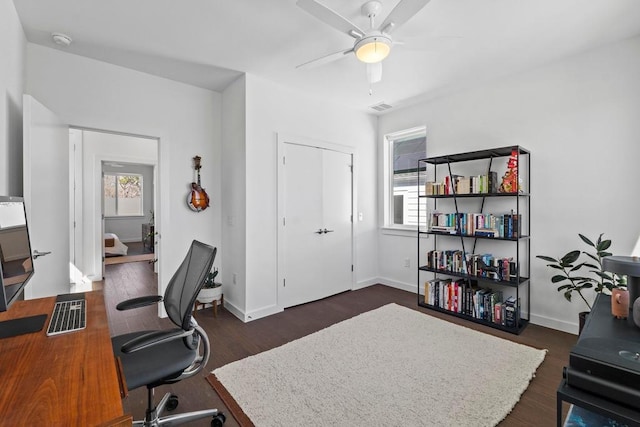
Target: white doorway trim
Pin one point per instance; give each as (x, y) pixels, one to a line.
(282, 139)
(94, 224)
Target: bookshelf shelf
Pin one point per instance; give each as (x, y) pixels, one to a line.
(482, 278)
(523, 322)
(437, 233)
(473, 195)
(520, 281)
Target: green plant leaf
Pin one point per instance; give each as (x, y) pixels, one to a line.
(577, 267)
(587, 241)
(567, 286)
(567, 295)
(570, 257)
(605, 244)
(604, 254)
(547, 258)
(557, 267)
(591, 265)
(558, 278)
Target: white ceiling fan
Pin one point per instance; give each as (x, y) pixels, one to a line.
(370, 46)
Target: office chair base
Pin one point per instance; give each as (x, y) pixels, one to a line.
(154, 416)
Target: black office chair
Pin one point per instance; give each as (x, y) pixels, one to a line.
(153, 358)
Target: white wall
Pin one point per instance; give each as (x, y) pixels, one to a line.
(12, 66)
(272, 108)
(93, 94)
(579, 118)
(232, 254)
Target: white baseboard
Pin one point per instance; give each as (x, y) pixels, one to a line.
(409, 287)
(365, 283)
(262, 312)
(547, 322)
(560, 325)
(253, 315)
(234, 310)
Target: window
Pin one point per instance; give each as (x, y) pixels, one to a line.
(402, 152)
(122, 194)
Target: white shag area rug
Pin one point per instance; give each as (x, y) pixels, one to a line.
(390, 366)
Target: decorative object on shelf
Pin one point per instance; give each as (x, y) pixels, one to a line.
(510, 182)
(629, 266)
(620, 303)
(211, 291)
(197, 199)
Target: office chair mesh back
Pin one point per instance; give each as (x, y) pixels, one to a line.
(187, 281)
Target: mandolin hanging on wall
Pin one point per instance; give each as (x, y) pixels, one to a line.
(197, 199)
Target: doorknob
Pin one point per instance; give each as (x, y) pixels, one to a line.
(37, 254)
(319, 231)
(327, 231)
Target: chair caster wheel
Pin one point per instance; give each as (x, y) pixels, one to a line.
(172, 403)
(218, 420)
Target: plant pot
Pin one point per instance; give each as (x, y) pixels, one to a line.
(208, 295)
(582, 318)
(620, 303)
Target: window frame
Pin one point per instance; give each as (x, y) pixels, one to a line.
(118, 174)
(389, 139)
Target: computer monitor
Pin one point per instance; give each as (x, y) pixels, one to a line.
(16, 262)
(16, 265)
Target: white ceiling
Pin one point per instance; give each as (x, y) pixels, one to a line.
(449, 44)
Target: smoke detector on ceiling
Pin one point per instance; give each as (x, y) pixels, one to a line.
(61, 39)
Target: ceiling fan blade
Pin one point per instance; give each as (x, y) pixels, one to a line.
(325, 59)
(330, 17)
(401, 14)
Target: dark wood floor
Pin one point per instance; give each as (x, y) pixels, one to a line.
(232, 340)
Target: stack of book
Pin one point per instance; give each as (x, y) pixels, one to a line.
(485, 266)
(457, 184)
(461, 297)
(476, 224)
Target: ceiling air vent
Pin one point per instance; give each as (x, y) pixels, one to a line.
(381, 107)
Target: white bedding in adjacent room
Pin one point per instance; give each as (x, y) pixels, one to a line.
(117, 248)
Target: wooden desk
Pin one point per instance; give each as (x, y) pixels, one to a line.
(64, 380)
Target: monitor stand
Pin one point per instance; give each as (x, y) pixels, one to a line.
(23, 325)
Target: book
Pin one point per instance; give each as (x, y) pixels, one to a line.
(510, 312)
(427, 292)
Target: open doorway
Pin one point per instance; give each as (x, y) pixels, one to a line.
(114, 197)
(128, 212)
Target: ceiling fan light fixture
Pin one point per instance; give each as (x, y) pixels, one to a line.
(372, 49)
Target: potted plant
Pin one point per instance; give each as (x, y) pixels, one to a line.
(211, 290)
(568, 272)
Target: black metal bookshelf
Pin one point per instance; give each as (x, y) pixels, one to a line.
(517, 247)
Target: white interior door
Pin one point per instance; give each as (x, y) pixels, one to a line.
(337, 211)
(317, 230)
(46, 194)
(303, 225)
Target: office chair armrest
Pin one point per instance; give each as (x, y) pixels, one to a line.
(153, 338)
(139, 302)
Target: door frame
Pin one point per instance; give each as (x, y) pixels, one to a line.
(96, 223)
(282, 139)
